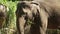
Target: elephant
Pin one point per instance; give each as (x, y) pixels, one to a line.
(38, 13)
(3, 15)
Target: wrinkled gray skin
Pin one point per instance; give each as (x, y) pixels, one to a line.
(3, 11)
(38, 12)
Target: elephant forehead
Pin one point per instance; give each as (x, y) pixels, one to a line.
(33, 8)
(26, 10)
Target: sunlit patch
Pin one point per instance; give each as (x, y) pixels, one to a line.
(3, 8)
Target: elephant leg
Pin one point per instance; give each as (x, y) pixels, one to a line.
(44, 21)
(43, 26)
(21, 22)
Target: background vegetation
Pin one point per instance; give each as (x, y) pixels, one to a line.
(10, 25)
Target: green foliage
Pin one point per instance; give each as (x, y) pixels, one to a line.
(11, 18)
(53, 31)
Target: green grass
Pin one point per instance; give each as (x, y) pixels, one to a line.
(53, 31)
